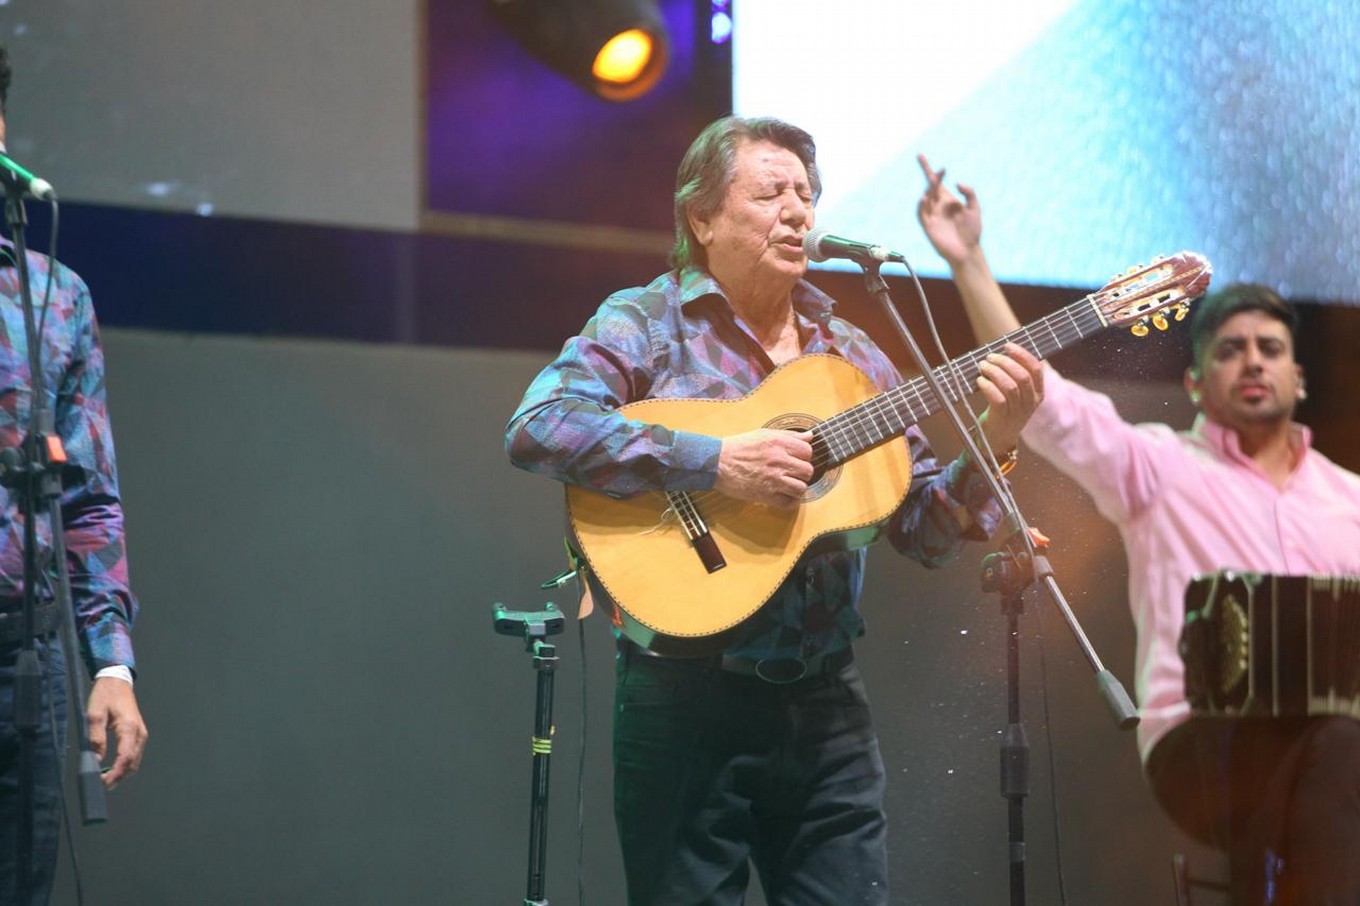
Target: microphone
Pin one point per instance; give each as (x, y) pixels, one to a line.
(819, 245)
(17, 178)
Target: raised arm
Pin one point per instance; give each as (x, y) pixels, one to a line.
(954, 228)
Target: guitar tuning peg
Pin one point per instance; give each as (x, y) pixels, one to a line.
(1139, 328)
(1133, 269)
(1159, 321)
(1181, 311)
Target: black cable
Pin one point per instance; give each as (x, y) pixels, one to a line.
(581, 768)
(1053, 798)
(980, 436)
(985, 446)
(61, 780)
(53, 681)
(51, 268)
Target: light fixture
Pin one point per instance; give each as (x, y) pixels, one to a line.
(617, 49)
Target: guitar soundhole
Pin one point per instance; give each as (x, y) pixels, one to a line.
(824, 474)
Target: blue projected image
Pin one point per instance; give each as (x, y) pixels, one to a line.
(1097, 134)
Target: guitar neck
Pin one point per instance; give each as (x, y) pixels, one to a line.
(890, 413)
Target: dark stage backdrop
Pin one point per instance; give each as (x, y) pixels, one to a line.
(318, 532)
(330, 248)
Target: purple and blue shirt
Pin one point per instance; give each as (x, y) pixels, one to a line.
(679, 337)
(92, 514)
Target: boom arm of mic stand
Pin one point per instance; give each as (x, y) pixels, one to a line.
(1116, 698)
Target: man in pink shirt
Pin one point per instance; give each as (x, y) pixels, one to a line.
(1242, 489)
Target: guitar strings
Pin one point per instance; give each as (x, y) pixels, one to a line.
(845, 434)
(871, 422)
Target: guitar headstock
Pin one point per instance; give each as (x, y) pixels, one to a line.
(1146, 292)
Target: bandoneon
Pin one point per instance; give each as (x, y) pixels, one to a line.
(1272, 646)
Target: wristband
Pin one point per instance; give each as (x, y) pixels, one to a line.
(1008, 461)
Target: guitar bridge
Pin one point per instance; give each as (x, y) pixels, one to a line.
(696, 530)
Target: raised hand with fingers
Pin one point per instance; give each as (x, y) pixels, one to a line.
(953, 227)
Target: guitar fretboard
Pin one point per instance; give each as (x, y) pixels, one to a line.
(889, 414)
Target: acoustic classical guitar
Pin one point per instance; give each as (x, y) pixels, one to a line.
(687, 568)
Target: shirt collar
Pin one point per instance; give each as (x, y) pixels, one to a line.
(809, 301)
(1226, 441)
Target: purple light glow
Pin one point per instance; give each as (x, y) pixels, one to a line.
(722, 27)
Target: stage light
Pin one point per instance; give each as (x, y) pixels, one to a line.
(720, 23)
(624, 57)
(617, 49)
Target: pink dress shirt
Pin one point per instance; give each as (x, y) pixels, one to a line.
(1188, 503)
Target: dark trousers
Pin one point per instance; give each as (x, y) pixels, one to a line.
(715, 771)
(47, 761)
(1280, 796)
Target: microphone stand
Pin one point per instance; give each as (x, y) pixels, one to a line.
(34, 473)
(535, 628)
(1009, 573)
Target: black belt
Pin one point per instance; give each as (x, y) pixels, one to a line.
(778, 670)
(46, 618)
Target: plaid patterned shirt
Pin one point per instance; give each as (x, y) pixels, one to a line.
(73, 369)
(680, 337)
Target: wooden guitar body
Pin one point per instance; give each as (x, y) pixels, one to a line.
(641, 556)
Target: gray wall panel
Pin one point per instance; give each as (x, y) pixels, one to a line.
(304, 110)
(317, 533)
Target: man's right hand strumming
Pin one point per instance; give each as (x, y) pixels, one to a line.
(766, 466)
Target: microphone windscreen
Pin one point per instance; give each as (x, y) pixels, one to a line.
(812, 245)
